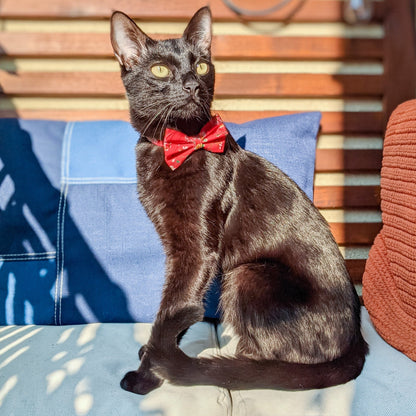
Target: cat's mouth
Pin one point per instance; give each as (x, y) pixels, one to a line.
(191, 108)
(192, 99)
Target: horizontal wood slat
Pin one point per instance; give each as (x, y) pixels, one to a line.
(346, 196)
(356, 269)
(399, 54)
(18, 44)
(265, 47)
(331, 122)
(298, 10)
(300, 85)
(348, 159)
(355, 233)
(227, 85)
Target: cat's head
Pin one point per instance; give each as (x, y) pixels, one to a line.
(169, 83)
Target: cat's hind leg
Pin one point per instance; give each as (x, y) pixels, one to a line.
(260, 301)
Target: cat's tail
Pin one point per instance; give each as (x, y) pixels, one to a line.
(240, 373)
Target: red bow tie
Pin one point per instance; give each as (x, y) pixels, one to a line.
(178, 146)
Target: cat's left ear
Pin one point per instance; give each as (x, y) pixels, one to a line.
(199, 30)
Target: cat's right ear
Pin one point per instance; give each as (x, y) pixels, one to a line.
(128, 40)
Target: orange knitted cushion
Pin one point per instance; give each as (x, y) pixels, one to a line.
(389, 281)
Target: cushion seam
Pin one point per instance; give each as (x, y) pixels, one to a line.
(60, 225)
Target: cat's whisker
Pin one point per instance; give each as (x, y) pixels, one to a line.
(167, 117)
(162, 122)
(149, 107)
(153, 105)
(149, 124)
(207, 108)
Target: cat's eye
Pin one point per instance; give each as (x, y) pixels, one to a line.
(202, 68)
(160, 71)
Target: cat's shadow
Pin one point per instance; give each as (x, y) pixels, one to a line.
(28, 213)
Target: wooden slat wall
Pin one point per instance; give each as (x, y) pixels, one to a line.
(56, 62)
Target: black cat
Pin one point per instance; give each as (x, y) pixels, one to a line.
(286, 291)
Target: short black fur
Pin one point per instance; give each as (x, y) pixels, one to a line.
(286, 291)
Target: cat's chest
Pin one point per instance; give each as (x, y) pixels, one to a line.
(187, 184)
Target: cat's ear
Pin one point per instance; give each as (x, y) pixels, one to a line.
(128, 40)
(199, 29)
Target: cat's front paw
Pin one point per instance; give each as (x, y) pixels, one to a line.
(140, 382)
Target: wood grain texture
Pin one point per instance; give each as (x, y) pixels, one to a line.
(298, 10)
(399, 54)
(333, 160)
(356, 269)
(109, 84)
(331, 122)
(347, 196)
(19, 44)
(355, 233)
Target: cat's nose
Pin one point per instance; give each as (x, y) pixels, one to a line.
(191, 86)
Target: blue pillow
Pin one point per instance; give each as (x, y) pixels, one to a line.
(75, 244)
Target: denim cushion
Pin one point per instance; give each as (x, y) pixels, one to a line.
(75, 244)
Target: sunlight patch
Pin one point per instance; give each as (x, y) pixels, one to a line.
(84, 400)
(65, 335)
(54, 380)
(7, 387)
(83, 404)
(73, 366)
(12, 357)
(20, 340)
(88, 333)
(7, 190)
(9, 302)
(59, 356)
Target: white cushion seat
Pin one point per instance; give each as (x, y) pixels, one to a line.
(76, 370)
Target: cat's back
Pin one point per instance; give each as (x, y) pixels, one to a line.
(257, 179)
